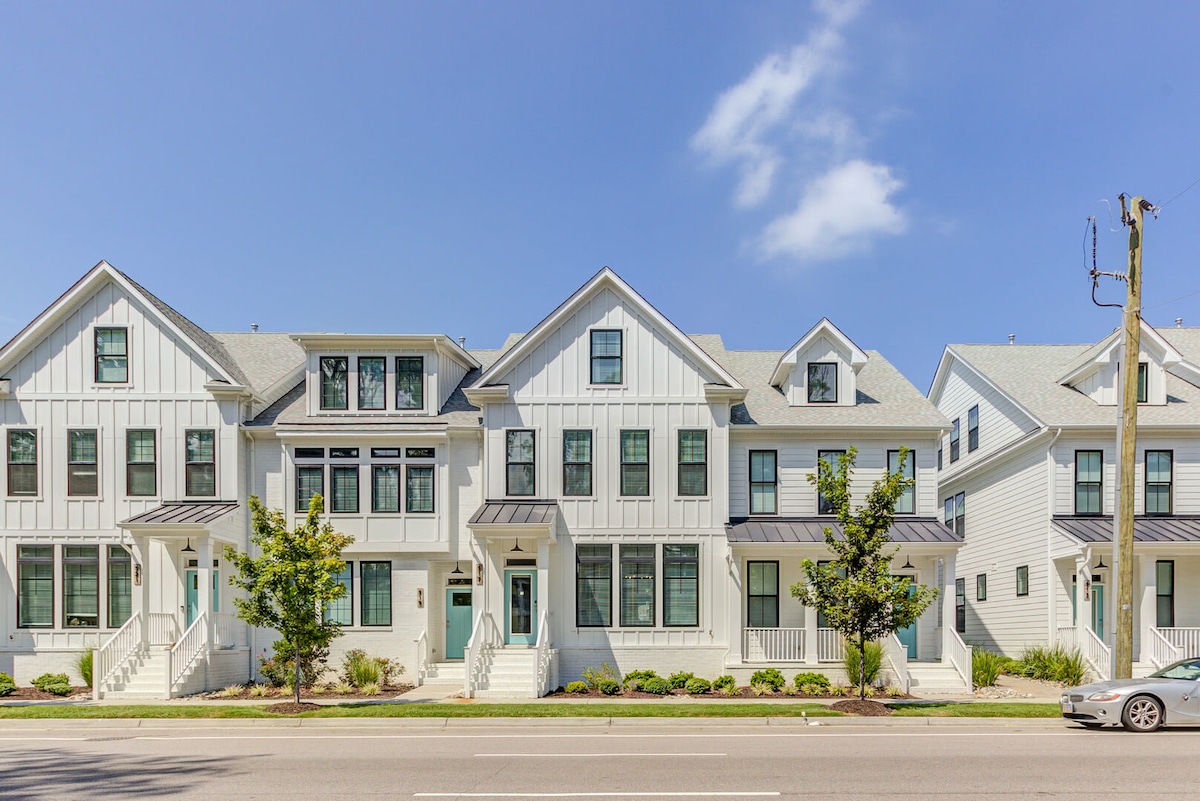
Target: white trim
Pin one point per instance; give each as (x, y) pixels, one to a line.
(939, 379)
(787, 362)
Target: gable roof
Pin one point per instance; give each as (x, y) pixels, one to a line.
(1104, 351)
(823, 327)
(605, 279)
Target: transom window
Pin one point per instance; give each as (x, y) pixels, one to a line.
(693, 463)
(372, 379)
(112, 355)
(577, 462)
(22, 462)
(826, 460)
(1159, 480)
(973, 428)
(519, 455)
(593, 585)
(763, 482)
(82, 473)
(141, 464)
(606, 356)
(822, 382)
(1089, 482)
(200, 468)
(906, 504)
(762, 595)
(334, 383)
(410, 382)
(635, 463)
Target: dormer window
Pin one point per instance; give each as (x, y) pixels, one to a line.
(1143, 391)
(112, 355)
(822, 382)
(334, 388)
(372, 371)
(410, 382)
(606, 357)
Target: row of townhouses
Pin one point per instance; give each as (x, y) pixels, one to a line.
(603, 488)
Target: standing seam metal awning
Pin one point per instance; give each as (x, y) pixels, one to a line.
(1145, 529)
(807, 530)
(514, 513)
(183, 513)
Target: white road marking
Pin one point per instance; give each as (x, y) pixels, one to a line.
(574, 754)
(615, 794)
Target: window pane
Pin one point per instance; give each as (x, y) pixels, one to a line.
(35, 586)
(1142, 391)
(420, 489)
(822, 383)
(310, 481)
(762, 499)
(340, 611)
(606, 357)
(520, 447)
(577, 479)
(681, 585)
(334, 389)
(376, 594)
(519, 455)
(635, 463)
(520, 479)
(81, 586)
(410, 382)
(371, 372)
(577, 462)
(762, 466)
(120, 586)
(693, 463)
(112, 360)
(201, 446)
(906, 503)
(22, 462)
(82, 474)
(637, 585)
(140, 468)
(832, 462)
(762, 482)
(1023, 580)
(343, 489)
(593, 585)
(763, 594)
(385, 488)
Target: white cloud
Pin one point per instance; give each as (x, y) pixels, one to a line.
(838, 215)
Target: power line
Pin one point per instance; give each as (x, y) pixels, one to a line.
(1159, 208)
(1172, 300)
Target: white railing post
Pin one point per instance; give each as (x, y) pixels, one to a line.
(897, 654)
(542, 668)
(422, 658)
(960, 656)
(471, 656)
(193, 642)
(1162, 651)
(108, 658)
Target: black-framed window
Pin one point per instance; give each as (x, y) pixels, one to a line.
(1089, 482)
(681, 585)
(22, 462)
(981, 587)
(343, 453)
(577, 462)
(520, 478)
(822, 382)
(335, 389)
(83, 475)
(200, 462)
(35, 586)
(341, 610)
(120, 587)
(762, 595)
(1022, 580)
(343, 488)
(939, 456)
(310, 453)
(906, 504)
(954, 443)
(827, 460)
(81, 586)
(310, 481)
(637, 585)
(418, 488)
(607, 366)
(112, 355)
(960, 514)
(764, 486)
(635, 463)
(410, 382)
(960, 605)
(693, 462)
(420, 453)
(385, 488)
(141, 463)
(1159, 481)
(973, 428)
(1143, 387)
(372, 383)
(593, 586)
(375, 600)
(1164, 592)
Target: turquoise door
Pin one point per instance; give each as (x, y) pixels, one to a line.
(520, 607)
(458, 622)
(1098, 610)
(192, 583)
(908, 634)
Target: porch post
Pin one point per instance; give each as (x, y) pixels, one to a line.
(1147, 607)
(142, 548)
(737, 619)
(204, 579)
(949, 611)
(812, 647)
(1084, 597)
(543, 588)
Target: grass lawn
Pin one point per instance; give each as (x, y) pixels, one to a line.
(978, 709)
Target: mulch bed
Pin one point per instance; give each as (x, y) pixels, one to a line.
(864, 708)
(34, 694)
(386, 691)
(291, 708)
(742, 693)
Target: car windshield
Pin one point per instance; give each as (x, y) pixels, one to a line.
(1189, 670)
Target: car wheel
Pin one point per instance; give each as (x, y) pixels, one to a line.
(1142, 713)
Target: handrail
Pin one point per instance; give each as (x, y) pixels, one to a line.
(1097, 654)
(164, 628)
(227, 629)
(422, 657)
(1162, 651)
(108, 658)
(830, 646)
(476, 651)
(962, 659)
(184, 653)
(542, 676)
(1068, 637)
(897, 654)
(1185, 639)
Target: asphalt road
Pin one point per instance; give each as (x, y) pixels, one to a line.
(499, 760)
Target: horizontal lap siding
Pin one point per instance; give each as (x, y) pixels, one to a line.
(1186, 477)
(1000, 421)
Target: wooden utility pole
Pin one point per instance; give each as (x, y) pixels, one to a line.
(1123, 546)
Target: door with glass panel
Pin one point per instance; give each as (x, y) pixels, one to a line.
(908, 634)
(520, 607)
(193, 595)
(458, 622)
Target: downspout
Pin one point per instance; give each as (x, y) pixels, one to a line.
(1051, 571)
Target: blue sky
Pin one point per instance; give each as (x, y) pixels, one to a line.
(920, 173)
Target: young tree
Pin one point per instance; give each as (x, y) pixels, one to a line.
(856, 591)
(291, 582)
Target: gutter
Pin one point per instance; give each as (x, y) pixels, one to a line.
(1052, 606)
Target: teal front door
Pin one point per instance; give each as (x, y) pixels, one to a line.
(193, 594)
(520, 607)
(908, 634)
(1098, 610)
(458, 622)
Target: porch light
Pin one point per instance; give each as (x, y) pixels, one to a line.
(457, 571)
(908, 565)
(188, 548)
(1100, 565)
(516, 547)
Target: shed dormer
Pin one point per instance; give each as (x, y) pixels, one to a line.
(1097, 373)
(821, 369)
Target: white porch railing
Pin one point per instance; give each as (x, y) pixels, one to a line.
(1162, 651)
(164, 628)
(484, 635)
(1097, 655)
(773, 645)
(541, 682)
(184, 653)
(897, 655)
(422, 657)
(830, 647)
(1185, 640)
(959, 654)
(109, 657)
(228, 630)
(1066, 637)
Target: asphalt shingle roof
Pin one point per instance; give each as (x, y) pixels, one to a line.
(264, 358)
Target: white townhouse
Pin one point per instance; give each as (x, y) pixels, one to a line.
(1029, 479)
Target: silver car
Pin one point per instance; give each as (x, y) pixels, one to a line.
(1168, 696)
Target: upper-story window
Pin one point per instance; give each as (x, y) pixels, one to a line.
(82, 473)
(343, 489)
(22, 462)
(827, 460)
(763, 482)
(410, 382)
(1159, 469)
(906, 504)
(1089, 482)
(519, 457)
(372, 376)
(1143, 390)
(693, 463)
(112, 355)
(954, 443)
(635, 463)
(956, 514)
(335, 393)
(606, 356)
(418, 491)
(577, 462)
(310, 481)
(822, 382)
(141, 464)
(200, 463)
(973, 428)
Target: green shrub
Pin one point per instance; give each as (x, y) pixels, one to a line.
(762, 688)
(577, 687)
(812, 689)
(1054, 663)
(873, 662)
(594, 675)
(56, 683)
(679, 680)
(656, 686)
(634, 678)
(985, 667)
(730, 690)
(724, 682)
(609, 686)
(816, 679)
(83, 663)
(360, 669)
(770, 677)
(697, 686)
(370, 688)
(277, 672)
(7, 685)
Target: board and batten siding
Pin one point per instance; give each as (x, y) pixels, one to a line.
(822, 349)
(1000, 421)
